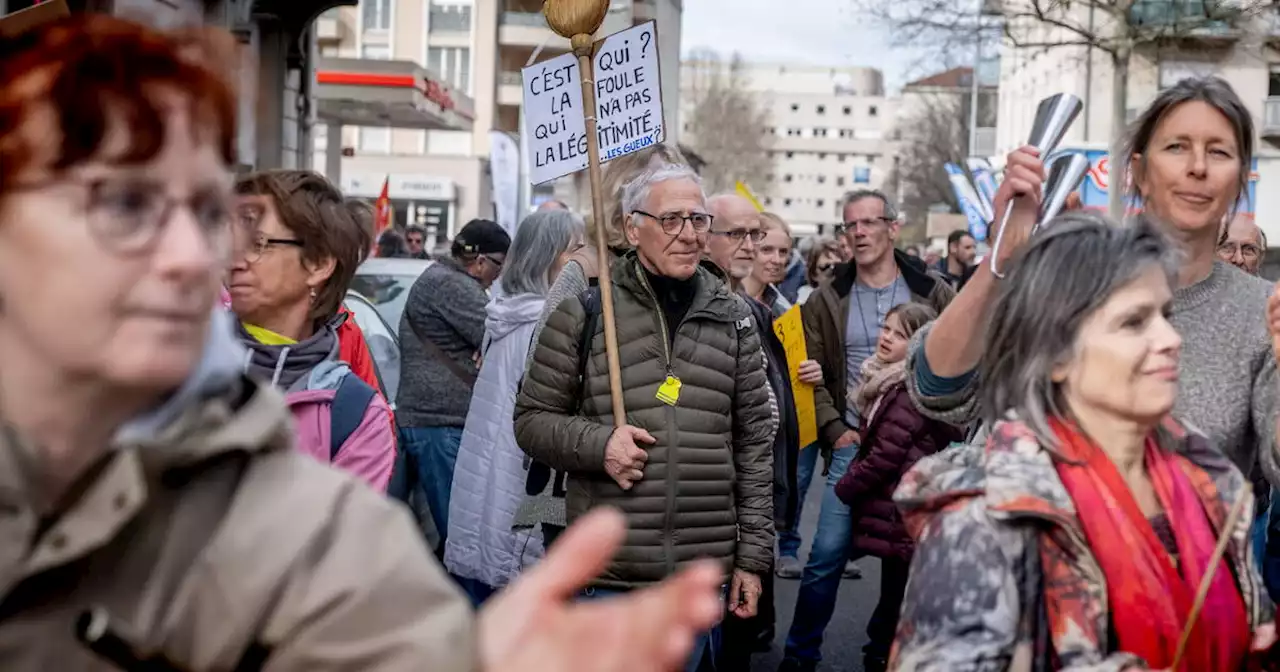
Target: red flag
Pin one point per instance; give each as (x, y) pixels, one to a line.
(382, 212)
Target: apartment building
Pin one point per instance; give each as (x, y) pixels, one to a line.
(1244, 55)
(276, 107)
(832, 132)
(469, 53)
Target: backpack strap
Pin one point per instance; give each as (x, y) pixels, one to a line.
(591, 304)
(350, 401)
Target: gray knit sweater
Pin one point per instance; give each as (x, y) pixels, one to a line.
(1228, 377)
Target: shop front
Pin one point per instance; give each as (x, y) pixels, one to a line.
(425, 200)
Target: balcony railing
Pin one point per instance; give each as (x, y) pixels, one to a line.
(535, 19)
(1192, 16)
(1271, 116)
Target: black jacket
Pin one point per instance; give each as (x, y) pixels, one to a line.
(786, 443)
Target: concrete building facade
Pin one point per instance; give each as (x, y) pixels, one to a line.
(832, 132)
(475, 49)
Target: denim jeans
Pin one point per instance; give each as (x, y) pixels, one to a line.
(436, 451)
(477, 591)
(822, 574)
(705, 647)
(789, 540)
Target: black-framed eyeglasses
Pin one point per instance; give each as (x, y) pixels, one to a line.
(739, 235)
(126, 216)
(254, 251)
(826, 268)
(673, 222)
(865, 223)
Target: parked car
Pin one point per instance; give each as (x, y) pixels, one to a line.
(384, 344)
(385, 283)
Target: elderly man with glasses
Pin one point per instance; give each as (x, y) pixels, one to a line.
(692, 469)
(842, 322)
(1243, 244)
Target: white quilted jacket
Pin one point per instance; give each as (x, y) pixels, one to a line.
(489, 477)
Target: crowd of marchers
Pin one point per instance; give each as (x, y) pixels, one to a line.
(1062, 456)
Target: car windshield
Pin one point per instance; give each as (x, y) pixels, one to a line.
(388, 293)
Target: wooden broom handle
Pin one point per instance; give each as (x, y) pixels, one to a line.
(1233, 518)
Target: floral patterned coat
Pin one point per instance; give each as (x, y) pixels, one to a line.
(1003, 577)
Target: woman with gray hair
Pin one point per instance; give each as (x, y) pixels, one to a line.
(1077, 536)
(481, 549)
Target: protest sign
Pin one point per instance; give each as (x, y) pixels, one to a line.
(554, 127)
(790, 331)
(628, 92)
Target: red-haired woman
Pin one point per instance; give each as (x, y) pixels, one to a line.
(150, 500)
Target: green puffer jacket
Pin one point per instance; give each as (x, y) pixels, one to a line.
(707, 490)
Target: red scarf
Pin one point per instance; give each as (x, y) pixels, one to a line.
(1150, 599)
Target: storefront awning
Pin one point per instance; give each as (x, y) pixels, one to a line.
(399, 94)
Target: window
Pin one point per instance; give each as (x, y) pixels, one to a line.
(822, 179)
(791, 155)
(848, 110)
(872, 111)
(1172, 72)
(375, 140)
(793, 132)
(839, 181)
(377, 14)
(453, 65)
(1273, 82)
(819, 132)
(840, 158)
(447, 17)
(821, 203)
(786, 178)
(768, 201)
(822, 109)
(786, 202)
(795, 107)
(846, 133)
(822, 155)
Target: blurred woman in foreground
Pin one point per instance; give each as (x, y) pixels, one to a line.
(1077, 535)
(150, 498)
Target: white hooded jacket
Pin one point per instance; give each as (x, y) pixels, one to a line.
(489, 477)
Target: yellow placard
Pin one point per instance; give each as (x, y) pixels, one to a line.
(744, 192)
(790, 331)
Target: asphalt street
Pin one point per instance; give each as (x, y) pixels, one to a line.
(842, 645)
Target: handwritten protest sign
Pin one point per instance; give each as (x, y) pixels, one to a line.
(628, 104)
(554, 127)
(790, 331)
(628, 91)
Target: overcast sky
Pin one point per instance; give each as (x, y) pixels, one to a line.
(815, 32)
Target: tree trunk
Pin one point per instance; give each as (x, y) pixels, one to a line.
(1119, 123)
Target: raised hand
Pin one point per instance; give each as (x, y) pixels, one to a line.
(1023, 181)
(536, 625)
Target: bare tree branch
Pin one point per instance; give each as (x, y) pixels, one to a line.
(728, 125)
